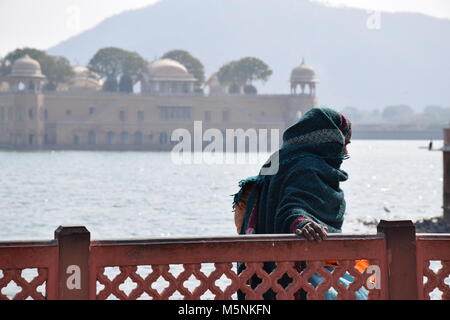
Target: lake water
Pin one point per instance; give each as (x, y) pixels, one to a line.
(144, 194)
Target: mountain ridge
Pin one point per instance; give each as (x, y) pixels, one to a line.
(402, 62)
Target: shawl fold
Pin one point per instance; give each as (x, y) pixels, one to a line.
(307, 181)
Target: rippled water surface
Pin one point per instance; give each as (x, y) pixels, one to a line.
(144, 194)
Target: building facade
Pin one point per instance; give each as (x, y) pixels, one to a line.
(84, 117)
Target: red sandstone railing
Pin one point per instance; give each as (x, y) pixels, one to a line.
(401, 265)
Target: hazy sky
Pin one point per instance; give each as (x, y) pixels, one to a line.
(44, 23)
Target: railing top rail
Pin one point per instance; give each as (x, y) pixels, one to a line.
(433, 246)
(22, 257)
(229, 239)
(26, 244)
(228, 249)
(433, 236)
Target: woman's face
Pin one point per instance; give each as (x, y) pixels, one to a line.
(347, 141)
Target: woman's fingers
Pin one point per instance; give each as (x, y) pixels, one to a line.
(313, 231)
(307, 232)
(304, 232)
(320, 230)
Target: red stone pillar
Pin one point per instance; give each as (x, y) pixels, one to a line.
(446, 173)
(401, 255)
(73, 247)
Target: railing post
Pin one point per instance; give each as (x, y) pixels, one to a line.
(73, 248)
(401, 256)
(446, 171)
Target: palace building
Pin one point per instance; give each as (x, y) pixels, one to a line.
(82, 116)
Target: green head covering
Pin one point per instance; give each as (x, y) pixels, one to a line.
(309, 162)
(306, 184)
(318, 125)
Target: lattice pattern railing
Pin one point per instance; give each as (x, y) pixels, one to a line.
(207, 286)
(433, 264)
(73, 267)
(318, 280)
(15, 286)
(437, 280)
(27, 272)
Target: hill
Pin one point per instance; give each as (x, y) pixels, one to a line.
(404, 61)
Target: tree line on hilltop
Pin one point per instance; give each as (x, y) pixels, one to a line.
(120, 69)
(431, 116)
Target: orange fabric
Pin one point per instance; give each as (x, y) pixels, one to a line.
(361, 265)
(331, 263)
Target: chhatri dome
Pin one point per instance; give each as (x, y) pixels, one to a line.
(303, 76)
(85, 79)
(26, 75)
(303, 73)
(167, 77)
(169, 69)
(26, 67)
(214, 85)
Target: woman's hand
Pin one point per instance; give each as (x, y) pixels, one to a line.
(313, 231)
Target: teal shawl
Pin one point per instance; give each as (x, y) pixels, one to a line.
(307, 181)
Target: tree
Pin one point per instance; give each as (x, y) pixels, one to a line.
(434, 112)
(250, 89)
(352, 113)
(112, 63)
(57, 69)
(192, 64)
(110, 85)
(229, 75)
(244, 72)
(234, 89)
(10, 58)
(253, 69)
(397, 113)
(126, 84)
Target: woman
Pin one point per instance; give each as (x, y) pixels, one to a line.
(304, 195)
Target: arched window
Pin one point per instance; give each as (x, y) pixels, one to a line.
(163, 138)
(20, 86)
(92, 137)
(185, 88)
(124, 137)
(162, 87)
(110, 137)
(76, 140)
(138, 138)
(226, 115)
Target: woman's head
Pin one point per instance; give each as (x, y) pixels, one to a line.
(347, 141)
(346, 129)
(317, 126)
